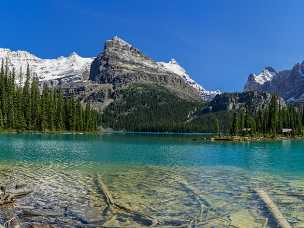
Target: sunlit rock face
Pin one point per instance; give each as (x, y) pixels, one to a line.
(120, 63)
(288, 84)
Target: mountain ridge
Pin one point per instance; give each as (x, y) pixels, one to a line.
(76, 68)
(289, 84)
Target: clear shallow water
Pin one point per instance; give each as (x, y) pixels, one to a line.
(278, 157)
(172, 179)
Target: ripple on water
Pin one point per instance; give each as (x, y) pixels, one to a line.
(166, 181)
(206, 196)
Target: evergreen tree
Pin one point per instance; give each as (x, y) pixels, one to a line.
(216, 126)
(24, 107)
(235, 124)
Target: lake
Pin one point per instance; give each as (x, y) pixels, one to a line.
(142, 180)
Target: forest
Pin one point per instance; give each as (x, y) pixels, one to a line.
(153, 108)
(150, 108)
(26, 106)
(276, 119)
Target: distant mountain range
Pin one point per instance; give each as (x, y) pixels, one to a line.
(289, 84)
(75, 68)
(135, 93)
(120, 63)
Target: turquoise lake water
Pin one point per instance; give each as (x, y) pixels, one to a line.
(278, 157)
(159, 176)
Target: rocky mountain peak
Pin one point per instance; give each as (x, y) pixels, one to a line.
(70, 68)
(74, 54)
(121, 63)
(9, 54)
(173, 61)
(301, 68)
(289, 84)
(270, 69)
(256, 80)
(119, 41)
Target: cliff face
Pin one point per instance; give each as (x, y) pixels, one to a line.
(132, 91)
(121, 64)
(252, 101)
(288, 84)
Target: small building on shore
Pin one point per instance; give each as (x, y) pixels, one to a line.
(246, 130)
(286, 130)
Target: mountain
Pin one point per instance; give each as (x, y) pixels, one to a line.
(69, 68)
(124, 59)
(252, 101)
(288, 84)
(224, 106)
(255, 81)
(146, 95)
(132, 91)
(173, 66)
(121, 63)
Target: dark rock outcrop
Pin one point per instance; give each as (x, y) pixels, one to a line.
(121, 64)
(251, 101)
(289, 84)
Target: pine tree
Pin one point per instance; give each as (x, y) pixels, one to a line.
(27, 99)
(216, 126)
(24, 107)
(1, 120)
(235, 124)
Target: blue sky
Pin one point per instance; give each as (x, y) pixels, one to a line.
(219, 42)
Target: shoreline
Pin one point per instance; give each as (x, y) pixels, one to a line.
(197, 137)
(12, 131)
(254, 138)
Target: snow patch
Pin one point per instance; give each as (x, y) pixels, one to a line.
(121, 41)
(174, 67)
(265, 76)
(45, 69)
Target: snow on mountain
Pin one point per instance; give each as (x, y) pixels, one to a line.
(254, 81)
(46, 69)
(266, 75)
(75, 68)
(173, 66)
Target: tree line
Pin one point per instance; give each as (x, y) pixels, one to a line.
(25, 106)
(273, 120)
(150, 108)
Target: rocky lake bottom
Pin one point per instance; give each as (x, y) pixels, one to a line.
(144, 181)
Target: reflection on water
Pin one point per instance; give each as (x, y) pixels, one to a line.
(137, 181)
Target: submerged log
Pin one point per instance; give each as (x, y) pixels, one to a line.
(204, 204)
(103, 189)
(42, 213)
(272, 207)
(113, 206)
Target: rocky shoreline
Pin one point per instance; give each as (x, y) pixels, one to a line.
(253, 138)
